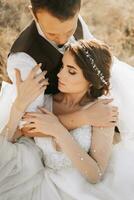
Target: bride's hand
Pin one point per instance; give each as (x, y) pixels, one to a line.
(43, 122)
(29, 89)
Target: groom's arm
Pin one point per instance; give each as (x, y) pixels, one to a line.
(99, 114)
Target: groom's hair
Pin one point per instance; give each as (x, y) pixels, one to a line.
(62, 9)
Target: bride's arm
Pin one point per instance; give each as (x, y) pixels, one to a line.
(92, 165)
(27, 91)
(11, 126)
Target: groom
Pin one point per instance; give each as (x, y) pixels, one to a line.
(56, 23)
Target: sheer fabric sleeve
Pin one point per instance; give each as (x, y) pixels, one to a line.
(101, 146)
(20, 166)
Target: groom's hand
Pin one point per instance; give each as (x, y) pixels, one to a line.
(26, 132)
(102, 114)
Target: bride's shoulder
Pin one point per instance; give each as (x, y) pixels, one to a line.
(88, 104)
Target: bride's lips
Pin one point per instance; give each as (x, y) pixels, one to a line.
(60, 83)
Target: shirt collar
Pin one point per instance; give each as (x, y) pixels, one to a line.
(62, 49)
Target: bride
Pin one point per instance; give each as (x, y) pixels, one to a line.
(84, 163)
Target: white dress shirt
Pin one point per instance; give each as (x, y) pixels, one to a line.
(22, 60)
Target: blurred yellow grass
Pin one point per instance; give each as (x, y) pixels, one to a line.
(109, 20)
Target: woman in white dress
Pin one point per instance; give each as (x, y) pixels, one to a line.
(80, 164)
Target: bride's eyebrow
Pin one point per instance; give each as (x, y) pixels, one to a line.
(72, 67)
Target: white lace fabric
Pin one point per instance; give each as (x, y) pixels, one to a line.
(57, 159)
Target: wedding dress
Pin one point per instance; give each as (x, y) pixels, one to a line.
(117, 183)
(27, 171)
(23, 176)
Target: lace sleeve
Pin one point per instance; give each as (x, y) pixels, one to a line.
(101, 146)
(8, 152)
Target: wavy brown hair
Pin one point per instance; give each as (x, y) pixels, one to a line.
(102, 57)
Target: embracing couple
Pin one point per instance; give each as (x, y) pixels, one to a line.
(58, 138)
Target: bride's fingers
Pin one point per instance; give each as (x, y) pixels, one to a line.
(35, 70)
(40, 76)
(18, 76)
(42, 89)
(44, 83)
(44, 110)
(43, 86)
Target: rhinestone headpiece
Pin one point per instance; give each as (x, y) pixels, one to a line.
(95, 68)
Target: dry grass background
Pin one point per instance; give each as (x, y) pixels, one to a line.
(109, 20)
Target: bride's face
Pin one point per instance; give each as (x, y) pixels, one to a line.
(70, 77)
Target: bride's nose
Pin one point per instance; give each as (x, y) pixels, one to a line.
(61, 73)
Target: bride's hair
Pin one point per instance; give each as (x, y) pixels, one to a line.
(95, 60)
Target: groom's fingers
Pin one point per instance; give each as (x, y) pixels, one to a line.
(115, 108)
(29, 126)
(107, 101)
(33, 133)
(18, 76)
(43, 110)
(110, 124)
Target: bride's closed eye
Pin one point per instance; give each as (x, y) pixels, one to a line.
(70, 70)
